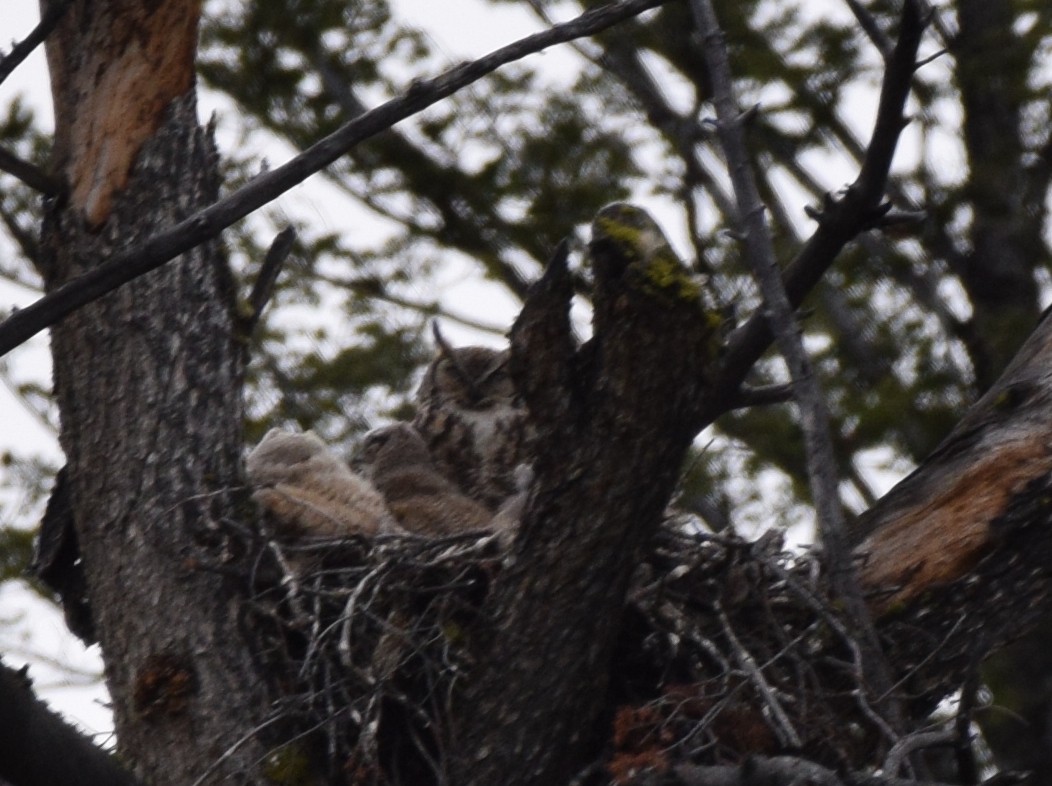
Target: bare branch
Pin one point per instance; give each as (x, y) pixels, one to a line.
(762, 396)
(208, 223)
(30, 174)
(899, 753)
(783, 725)
(871, 28)
(843, 219)
(759, 254)
(13, 59)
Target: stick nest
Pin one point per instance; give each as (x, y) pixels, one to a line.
(727, 649)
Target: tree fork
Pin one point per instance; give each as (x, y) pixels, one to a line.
(624, 406)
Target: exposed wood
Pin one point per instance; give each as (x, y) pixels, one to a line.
(933, 527)
(115, 66)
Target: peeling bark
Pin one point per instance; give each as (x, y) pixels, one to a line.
(934, 526)
(115, 67)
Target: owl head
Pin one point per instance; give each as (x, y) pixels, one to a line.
(468, 378)
(391, 447)
(280, 452)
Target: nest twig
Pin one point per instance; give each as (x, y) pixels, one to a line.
(728, 649)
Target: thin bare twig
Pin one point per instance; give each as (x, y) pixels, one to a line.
(759, 254)
(13, 59)
(209, 222)
(843, 219)
(782, 724)
(268, 276)
(872, 30)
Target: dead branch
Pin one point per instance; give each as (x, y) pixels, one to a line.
(56, 9)
(843, 218)
(209, 222)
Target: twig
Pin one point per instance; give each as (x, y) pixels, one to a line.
(268, 276)
(30, 174)
(344, 646)
(783, 725)
(967, 766)
(914, 742)
(759, 254)
(761, 396)
(13, 59)
(210, 221)
(843, 219)
(374, 288)
(871, 28)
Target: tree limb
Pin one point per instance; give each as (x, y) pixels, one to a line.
(56, 9)
(616, 409)
(842, 219)
(209, 222)
(30, 174)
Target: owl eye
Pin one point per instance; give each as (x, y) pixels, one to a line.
(470, 386)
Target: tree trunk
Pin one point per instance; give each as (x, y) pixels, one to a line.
(148, 382)
(615, 419)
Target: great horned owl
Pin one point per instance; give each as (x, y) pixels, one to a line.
(310, 491)
(472, 420)
(421, 498)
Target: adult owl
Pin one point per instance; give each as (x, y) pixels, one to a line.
(309, 491)
(473, 421)
(421, 498)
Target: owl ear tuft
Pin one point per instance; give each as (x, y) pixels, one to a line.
(446, 351)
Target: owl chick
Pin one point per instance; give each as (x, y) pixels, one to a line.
(472, 421)
(310, 491)
(423, 500)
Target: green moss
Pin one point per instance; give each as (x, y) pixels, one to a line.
(664, 274)
(643, 245)
(289, 765)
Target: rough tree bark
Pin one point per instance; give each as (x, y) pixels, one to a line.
(615, 419)
(148, 382)
(955, 557)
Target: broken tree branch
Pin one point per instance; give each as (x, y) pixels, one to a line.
(209, 222)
